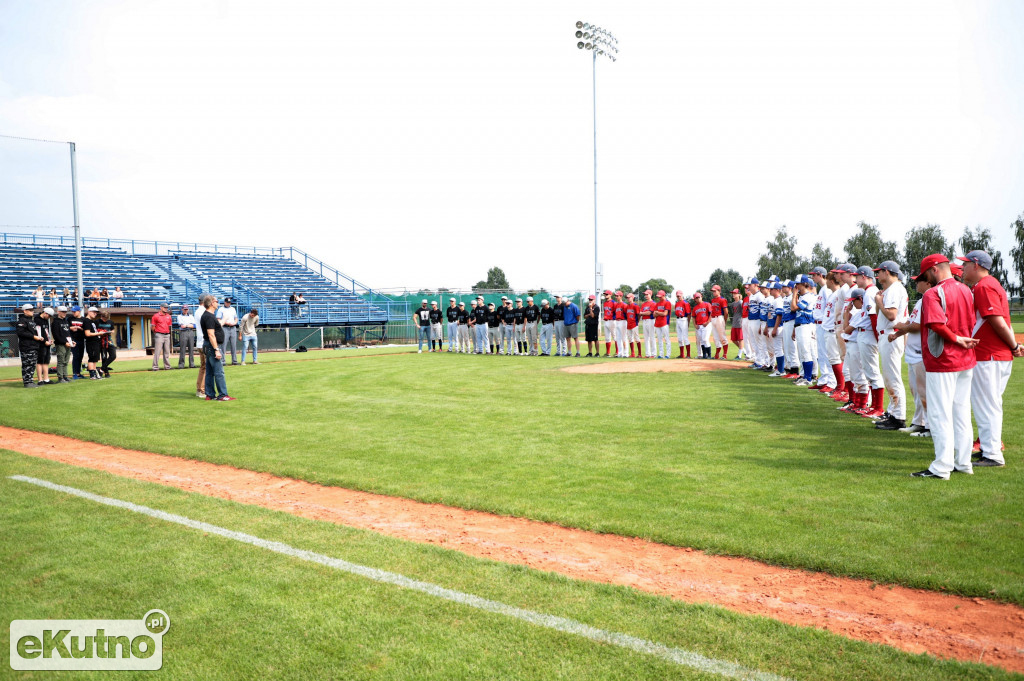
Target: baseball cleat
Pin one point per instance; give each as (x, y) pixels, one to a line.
(922, 433)
(912, 429)
(986, 462)
(927, 474)
(890, 424)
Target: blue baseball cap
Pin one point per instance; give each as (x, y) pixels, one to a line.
(777, 286)
(888, 266)
(76, 308)
(979, 258)
(845, 267)
(818, 270)
(787, 283)
(856, 293)
(753, 280)
(866, 271)
(804, 279)
(774, 278)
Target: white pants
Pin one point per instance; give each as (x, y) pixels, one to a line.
(852, 364)
(760, 342)
(702, 336)
(718, 332)
(824, 366)
(609, 330)
(531, 337)
(435, 333)
(632, 335)
(559, 336)
(649, 340)
(661, 335)
(988, 384)
(869, 365)
(453, 336)
(831, 357)
(546, 332)
(916, 376)
(620, 337)
(891, 355)
(748, 347)
(949, 410)
(494, 337)
(789, 348)
(805, 345)
(683, 331)
(463, 338)
(507, 338)
(520, 334)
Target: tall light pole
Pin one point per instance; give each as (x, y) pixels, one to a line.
(600, 42)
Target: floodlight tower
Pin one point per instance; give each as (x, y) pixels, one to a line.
(600, 42)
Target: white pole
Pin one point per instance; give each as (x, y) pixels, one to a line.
(78, 229)
(595, 171)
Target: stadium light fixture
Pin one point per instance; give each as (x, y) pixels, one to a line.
(600, 43)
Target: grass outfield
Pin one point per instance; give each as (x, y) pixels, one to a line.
(730, 462)
(238, 611)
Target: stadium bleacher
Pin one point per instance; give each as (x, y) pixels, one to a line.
(150, 273)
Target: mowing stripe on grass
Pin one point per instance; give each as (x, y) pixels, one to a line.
(569, 626)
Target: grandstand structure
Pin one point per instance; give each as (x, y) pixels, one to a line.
(154, 272)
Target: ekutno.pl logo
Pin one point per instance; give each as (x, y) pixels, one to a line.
(107, 645)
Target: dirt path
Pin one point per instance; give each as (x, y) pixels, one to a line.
(970, 629)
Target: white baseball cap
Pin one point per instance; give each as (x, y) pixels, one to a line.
(451, 300)
(424, 300)
(48, 310)
(62, 308)
(94, 309)
(28, 306)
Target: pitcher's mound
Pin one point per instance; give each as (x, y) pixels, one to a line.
(652, 366)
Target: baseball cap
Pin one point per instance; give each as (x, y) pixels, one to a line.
(504, 297)
(856, 293)
(559, 297)
(461, 304)
(866, 271)
(818, 270)
(519, 300)
(888, 266)
(777, 286)
(529, 298)
(47, 310)
(788, 283)
(618, 293)
(94, 309)
(76, 308)
(735, 290)
(607, 291)
(451, 300)
(163, 305)
(62, 308)
(804, 279)
(591, 297)
(716, 286)
(423, 301)
(184, 306)
(661, 293)
(931, 261)
(774, 278)
(979, 258)
(754, 280)
(679, 293)
(697, 294)
(228, 300)
(28, 306)
(479, 297)
(630, 296)
(544, 302)
(846, 268)
(433, 302)
(957, 270)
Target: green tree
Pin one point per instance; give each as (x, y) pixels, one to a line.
(1017, 256)
(923, 241)
(495, 281)
(821, 255)
(626, 289)
(780, 257)
(867, 247)
(655, 285)
(980, 239)
(727, 279)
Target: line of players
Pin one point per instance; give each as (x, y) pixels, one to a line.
(846, 333)
(517, 329)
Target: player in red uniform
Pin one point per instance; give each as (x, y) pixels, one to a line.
(620, 326)
(633, 325)
(719, 311)
(702, 318)
(647, 317)
(608, 312)
(662, 310)
(682, 310)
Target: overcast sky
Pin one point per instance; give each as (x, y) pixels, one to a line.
(418, 144)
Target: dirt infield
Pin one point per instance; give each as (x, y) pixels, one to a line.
(969, 629)
(652, 366)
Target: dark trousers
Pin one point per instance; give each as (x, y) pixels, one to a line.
(186, 345)
(214, 373)
(29, 358)
(107, 354)
(77, 353)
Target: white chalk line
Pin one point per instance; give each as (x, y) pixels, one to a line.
(678, 656)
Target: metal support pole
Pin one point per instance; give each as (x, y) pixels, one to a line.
(78, 229)
(594, 63)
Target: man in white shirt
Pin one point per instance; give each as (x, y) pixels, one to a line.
(824, 368)
(845, 275)
(868, 342)
(228, 318)
(891, 302)
(911, 329)
(201, 378)
(186, 337)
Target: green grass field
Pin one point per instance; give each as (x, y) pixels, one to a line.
(729, 462)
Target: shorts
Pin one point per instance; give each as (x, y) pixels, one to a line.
(43, 354)
(571, 330)
(736, 334)
(93, 350)
(591, 332)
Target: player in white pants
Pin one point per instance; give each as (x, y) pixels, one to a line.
(620, 325)
(608, 322)
(851, 363)
(869, 342)
(792, 361)
(647, 319)
(682, 313)
(891, 303)
(910, 331)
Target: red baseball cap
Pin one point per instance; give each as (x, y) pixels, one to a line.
(716, 286)
(607, 291)
(618, 293)
(931, 261)
(735, 290)
(957, 270)
(592, 297)
(697, 294)
(661, 293)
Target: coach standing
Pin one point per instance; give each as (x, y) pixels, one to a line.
(947, 319)
(28, 345)
(213, 338)
(228, 317)
(161, 324)
(996, 348)
(78, 336)
(62, 342)
(187, 338)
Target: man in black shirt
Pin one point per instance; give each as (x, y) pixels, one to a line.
(452, 315)
(42, 321)
(463, 329)
(78, 336)
(559, 327)
(28, 344)
(63, 343)
(531, 313)
(520, 326)
(508, 326)
(108, 348)
(493, 332)
(547, 327)
(480, 326)
(93, 333)
(591, 320)
(435, 327)
(213, 337)
(422, 317)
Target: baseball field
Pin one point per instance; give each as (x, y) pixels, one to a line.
(485, 477)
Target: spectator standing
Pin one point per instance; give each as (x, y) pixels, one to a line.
(996, 348)
(54, 298)
(62, 341)
(68, 301)
(104, 297)
(78, 336)
(292, 305)
(228, 317)
(117, 296)
(300, 302)
(161, 324)
(247, 332)
(108, 344)
(28, 344)
(201, 377)
(947, 320)
(40, 295)
(570, 326)
(42, 322)
(591, 324)
(422, 317)
(213, 337)
(186, 337)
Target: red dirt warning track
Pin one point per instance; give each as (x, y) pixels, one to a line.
(969, 629)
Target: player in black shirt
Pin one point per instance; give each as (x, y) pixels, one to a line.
(451, 313)
(547, 327)
(42, 322)
(78, 336)
(520, 326)
(62, 343)
(93, 333)
(493, 332)
(480, 326)
(531, 313)
(213, 338)
(591, 319)
(463, 328)
(108, 348)
(28, 345)
(508, 319)
(422, 317)
(435, 327)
